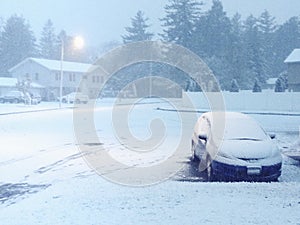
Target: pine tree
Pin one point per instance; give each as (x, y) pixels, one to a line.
(267, 27)
(256, 86)
(279, 86)
(213, 30)
(138, 29)
(287, 38)
(234, 86)
(236, 51)
(179, 22)
(281, 83)
(17, 43)
(256, 62)
(48, 46)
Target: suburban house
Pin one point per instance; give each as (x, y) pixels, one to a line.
(46, 73)
(86, 78)
(10, 84)
(293, 71)
(270, 83)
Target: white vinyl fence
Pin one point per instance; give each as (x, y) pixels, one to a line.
(266, 101)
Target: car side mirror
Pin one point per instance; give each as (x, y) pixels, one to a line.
(203, 137)
(272, 136)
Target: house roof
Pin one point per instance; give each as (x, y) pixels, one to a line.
(54, 65)
(293, 57)
(12, 82)
(271, 81)
(8, 82)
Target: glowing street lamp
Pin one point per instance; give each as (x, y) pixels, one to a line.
(78, 43)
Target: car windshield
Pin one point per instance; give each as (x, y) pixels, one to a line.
(243, 129)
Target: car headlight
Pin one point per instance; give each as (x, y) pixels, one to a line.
(223, 154)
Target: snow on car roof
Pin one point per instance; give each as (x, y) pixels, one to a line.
(237, 125)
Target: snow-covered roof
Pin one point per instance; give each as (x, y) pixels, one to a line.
(8, 82)
(12, 82)
(55, 65)
(36, 85)
(293, 57)
(271, 81)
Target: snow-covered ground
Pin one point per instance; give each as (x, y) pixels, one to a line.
(45, 180)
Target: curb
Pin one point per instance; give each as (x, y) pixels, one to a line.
(245, 112)
(33, 111)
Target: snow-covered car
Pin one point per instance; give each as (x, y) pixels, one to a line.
(245, 152)
(75, 97)
(35, 98)
(13, 97)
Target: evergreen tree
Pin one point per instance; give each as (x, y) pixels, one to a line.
(179, 22)
(287, 38)
(213, 30)
(234, 86)
(281, 83)
(17, 43)
(267, 27)
(279, 86)
(236, 56)
(48, 46)
(256, 63)
(256, 86)
(138, 29)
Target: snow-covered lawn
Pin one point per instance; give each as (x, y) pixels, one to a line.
(45, 180)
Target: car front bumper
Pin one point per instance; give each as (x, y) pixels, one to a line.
(228, 172)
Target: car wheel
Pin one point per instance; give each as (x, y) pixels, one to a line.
(2, 100)
(16, 100)
(194, 158)
(64, 101)
(77, 101)
(209, 170)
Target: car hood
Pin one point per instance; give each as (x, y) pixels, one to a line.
(248, 149)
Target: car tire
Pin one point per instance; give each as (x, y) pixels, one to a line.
(2, 100)
(194, 158)
(209, 170)
(64, 101)
(77, 101)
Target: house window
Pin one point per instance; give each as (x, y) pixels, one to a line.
(94, 79)
(98, 79)
(57, 76)
(36, 76)
(72, 77)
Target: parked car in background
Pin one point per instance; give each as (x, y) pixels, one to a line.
(35, 98)
(75, 97)
(246, 151)
(13, 97)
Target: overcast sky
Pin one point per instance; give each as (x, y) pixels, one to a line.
(99, 21)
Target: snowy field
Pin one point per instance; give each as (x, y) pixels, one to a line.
(45, 180)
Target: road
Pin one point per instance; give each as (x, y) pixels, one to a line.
(41, 161)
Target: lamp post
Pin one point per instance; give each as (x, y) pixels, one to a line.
(78, 43)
